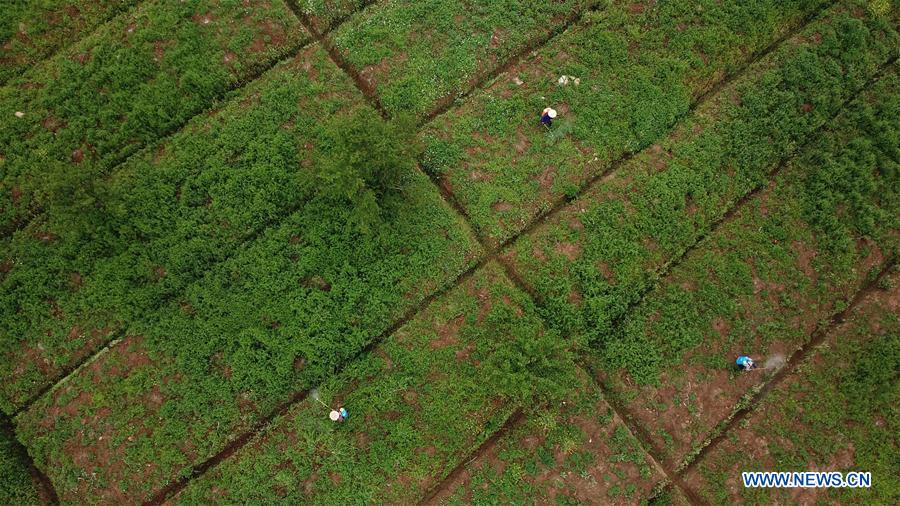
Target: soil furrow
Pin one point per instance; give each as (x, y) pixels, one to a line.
(60, 378)
(511, 423)
(261, 69)
(563, 201)
(44, 485)
(491, 254)
(172, 489)
(72, 42)
(335, 54)
(748, 404)
(479, 81)
(644, 437)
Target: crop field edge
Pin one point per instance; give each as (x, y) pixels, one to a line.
(263, 69)
(675, 474)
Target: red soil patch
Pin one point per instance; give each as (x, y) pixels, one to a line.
(502, 207)
(805, 255)
(522, 142)
(721, 326)
(545, 179)
(569, 250)
(271, 34)
(77, 156)
(447, 333)
(53, 123)
(204, 18)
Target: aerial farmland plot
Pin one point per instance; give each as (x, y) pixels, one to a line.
(449, 252)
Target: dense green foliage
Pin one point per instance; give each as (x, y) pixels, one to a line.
(596, 257)
(31, 31)
(284, 312)
(218, 254)
(639, 70)
(413, 415)
(16, 485)
(138, 77)
(838, 413)
(168, 215)
(417, 53)
(362, 160)
(760, 284)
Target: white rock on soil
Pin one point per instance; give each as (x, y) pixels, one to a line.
(20, 114)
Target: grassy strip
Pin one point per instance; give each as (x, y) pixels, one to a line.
(639, 69)
(416, 53)
(16, 484)
(595, 258)
(422, 401)
(136, 79)
(837, 412)
(575, 452)
(762, 283)
(277, 317)
(31, 31)
(167, 216)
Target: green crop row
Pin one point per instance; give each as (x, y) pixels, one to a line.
(72, 118)
(761, 284)
(16, 485)
(574, 452)
(32, 31)
(277, 317)
(167, 216)
(633, 72)
(595, 258)
(416, 54)
(838, 412)
(418, 404)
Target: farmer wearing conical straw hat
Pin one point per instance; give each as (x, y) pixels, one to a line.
(547, 116)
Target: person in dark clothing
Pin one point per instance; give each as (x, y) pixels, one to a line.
(547, 116)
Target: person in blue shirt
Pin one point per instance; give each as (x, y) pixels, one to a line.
(547, 116)
(745, 363)
(338, 415)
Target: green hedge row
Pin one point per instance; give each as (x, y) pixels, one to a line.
(595, 258)
(634, 71)
(760, 285)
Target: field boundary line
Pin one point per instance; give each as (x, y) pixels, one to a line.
(478, 81)
(118, 12)
(121, 333)
(258, 70)
(513, 421)
(751, 400)
(674, 474)
(46, 491)
(561, 202)
(262, 424)
(490, 254)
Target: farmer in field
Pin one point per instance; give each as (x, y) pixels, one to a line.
(338, 415)
(745, 363)
(547, 117)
